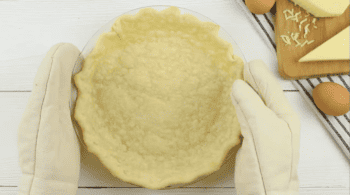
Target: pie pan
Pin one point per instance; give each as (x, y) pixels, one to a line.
(88, 49)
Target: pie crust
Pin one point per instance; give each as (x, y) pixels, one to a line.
(154, 98)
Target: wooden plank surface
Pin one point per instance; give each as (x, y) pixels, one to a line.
(30, 28)
(322, 164)
(289, 55)
(182, 191)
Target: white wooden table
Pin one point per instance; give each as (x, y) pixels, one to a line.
(29, 28)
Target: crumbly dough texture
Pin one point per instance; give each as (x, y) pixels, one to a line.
(154, 101)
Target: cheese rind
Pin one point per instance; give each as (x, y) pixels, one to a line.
(324, 8)
(336, 48)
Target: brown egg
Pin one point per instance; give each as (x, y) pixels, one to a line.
(331, 98)
(260, 6)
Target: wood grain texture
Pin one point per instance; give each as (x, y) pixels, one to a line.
(30, 28)
(183, 191)
(289, 55)
(321, 165)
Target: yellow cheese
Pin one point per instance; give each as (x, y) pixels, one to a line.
(324, 8)
(336, 48)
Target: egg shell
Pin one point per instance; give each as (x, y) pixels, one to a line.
(260, 6)
(331, 98)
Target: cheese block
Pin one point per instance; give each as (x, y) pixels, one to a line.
(336, 48)
(324, 8)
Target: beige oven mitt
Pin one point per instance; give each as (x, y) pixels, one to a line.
(49, 151)
(267, 162)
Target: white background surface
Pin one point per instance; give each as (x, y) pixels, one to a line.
(29, 28)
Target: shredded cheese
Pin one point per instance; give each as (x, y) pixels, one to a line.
(285, 13)
(306, 30)
(314, 22)
(296, 17)
(290, 12)
(307, 42)
(302, 45)
(302, 23)
(310, 42)
(295, 36)
(286, 39)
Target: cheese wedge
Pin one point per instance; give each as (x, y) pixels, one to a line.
(324, 8)
(336, 48)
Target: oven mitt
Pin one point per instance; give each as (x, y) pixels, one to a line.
(267, 162)
(49, 150)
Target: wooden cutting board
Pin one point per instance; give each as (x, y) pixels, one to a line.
(289, 55)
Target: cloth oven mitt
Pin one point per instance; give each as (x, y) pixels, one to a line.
(267, 162)
(49, 151)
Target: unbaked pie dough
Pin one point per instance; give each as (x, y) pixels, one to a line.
(154, 98)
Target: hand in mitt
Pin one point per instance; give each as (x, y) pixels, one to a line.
(268, 160)
(49, 151)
